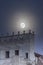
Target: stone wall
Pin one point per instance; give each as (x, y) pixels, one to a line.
(22, 42)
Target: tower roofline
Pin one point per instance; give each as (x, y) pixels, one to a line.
(8, 35)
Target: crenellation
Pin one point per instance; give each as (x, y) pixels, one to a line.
(24, 32)
(30, 31)
(18, 33)
(18, 36)
(12, 33)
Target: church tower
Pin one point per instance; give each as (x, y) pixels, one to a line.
(17, 49)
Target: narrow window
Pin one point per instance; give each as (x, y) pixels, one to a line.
(16, 52)
(7, 54)
(26, 55)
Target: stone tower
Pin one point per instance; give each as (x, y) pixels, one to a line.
(17, 49)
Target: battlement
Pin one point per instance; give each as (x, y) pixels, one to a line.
(18, 36)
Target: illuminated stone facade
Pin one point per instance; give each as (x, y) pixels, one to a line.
(17, 49)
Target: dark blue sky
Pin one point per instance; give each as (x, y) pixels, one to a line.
(8, 8)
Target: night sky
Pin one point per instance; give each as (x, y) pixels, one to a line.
(13, 10)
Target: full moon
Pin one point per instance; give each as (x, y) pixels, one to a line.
(22, 25)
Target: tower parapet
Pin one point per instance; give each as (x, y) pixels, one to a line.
(13, 37)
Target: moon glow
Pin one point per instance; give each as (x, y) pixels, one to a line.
(22, 25)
